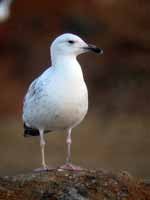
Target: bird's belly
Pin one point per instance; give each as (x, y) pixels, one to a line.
(65, 114)
(58, 112)
(70, 115)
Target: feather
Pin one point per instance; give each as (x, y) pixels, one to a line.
(28, 131)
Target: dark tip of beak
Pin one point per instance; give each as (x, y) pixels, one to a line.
(94, 49)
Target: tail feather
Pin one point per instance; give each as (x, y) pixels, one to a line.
(28, 131)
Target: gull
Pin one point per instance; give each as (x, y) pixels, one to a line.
(58, 98)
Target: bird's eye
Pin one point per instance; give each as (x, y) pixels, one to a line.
(70, 41)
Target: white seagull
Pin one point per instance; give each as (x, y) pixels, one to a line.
(58, 98)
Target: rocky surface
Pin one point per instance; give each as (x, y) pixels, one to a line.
(65, 185)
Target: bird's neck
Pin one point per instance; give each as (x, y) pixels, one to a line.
(60, 59)
(68, 65)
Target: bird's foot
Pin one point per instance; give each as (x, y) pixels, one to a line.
(71, 167)
(44, 168)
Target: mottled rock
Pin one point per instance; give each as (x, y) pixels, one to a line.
(67, 185)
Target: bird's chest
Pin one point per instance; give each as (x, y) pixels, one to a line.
(68, 104)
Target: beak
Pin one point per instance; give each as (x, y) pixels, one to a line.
(93, 48)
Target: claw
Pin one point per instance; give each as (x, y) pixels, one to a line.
(43, 169)
(71, 167)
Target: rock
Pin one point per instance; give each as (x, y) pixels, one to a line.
(68, 185)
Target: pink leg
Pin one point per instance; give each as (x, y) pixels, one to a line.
(68, 141)
(68, 165)
(42, 144)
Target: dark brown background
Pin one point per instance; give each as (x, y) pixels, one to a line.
(116, 132)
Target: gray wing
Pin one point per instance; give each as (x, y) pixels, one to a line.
(32, 92)
(32, 97)
(36, 87)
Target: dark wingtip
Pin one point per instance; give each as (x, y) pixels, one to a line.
(30, 131)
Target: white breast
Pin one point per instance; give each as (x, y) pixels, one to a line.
(70, 104)
(61, 101)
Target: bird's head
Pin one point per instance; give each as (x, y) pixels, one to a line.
(70, 44)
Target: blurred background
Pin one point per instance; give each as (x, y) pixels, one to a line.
(115, 135)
